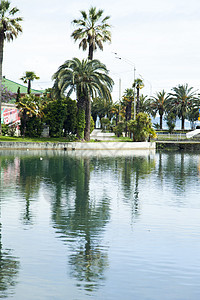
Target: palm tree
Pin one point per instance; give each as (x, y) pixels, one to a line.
(158, 104)
(181, 101)
(27, 78)
(89, 79)
(9, 29)
(128, 98)
(138, 84)
(92, 30)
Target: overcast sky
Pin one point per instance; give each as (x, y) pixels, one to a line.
(160, 37)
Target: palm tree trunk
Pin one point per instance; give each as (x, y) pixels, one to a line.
(87, 120)
(183, 123)
(1, 66)
(29, 87)
(90, 54)
(161, 121)
(80, 116)
(138, 101)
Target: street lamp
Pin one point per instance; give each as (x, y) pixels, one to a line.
(132, 64)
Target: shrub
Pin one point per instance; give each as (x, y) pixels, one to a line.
(119, 128)
(105, 124)
(141, 127)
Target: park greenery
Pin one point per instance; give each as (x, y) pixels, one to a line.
(81, 91)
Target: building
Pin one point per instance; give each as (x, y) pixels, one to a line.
(9, 112)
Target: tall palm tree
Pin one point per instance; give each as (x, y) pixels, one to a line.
(27, 78)
(128, 98)
(9, 29)
(89, 79)
(92, 30)
(158, 104)
(181, 101)
(138, 84)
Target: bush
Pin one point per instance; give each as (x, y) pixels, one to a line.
(91, 125)
(141, 128)
(105, 124)
(55, 115)
(34, 127)
(119, 128)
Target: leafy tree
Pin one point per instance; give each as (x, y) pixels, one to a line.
(119, 128)
(55, 116)
(92, 30)
(141, 127)
(70, 122)
(9, 29)
(171, 121)
(105, 124)
(6, 95)
(158, 104)
(181, 100)
(89, 78)
(138, 84)
(30, 107)
(27, 78)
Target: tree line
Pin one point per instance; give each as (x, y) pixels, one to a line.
(88, 81)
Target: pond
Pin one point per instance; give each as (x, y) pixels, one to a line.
(99, 225)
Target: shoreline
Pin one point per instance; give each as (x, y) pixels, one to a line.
(71, 146)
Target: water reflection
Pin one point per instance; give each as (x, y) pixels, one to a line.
(84, 192)
(9, 268)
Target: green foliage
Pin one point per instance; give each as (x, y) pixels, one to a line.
(105, 124)
(92, 30)
(9, 130)
(34, 127)
(181, 100)
(70, 122)
(80, 123)
(171, 121)
(5, 129)
(31, 110)
(141, 127)
(92, 125)
(156, 126)
(119, 128)
(55, 115)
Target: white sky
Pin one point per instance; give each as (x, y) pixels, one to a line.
(161, 37)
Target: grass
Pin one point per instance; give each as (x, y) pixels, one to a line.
(33, 140)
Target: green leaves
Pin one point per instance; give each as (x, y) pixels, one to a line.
(92, 30)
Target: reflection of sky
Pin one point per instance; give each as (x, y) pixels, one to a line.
(151, 251)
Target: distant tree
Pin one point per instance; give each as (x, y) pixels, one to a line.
(158, 104)
(9, 29)
(92, 30)
(128, 99)
(6, 94)
(28, 78)
(138, 84)
(181, 100)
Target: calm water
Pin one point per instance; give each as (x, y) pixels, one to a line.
(107, 226)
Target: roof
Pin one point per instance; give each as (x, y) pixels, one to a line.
(13, 87)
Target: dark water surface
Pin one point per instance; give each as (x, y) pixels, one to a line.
(100, 226)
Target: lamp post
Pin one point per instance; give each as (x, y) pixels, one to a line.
(132, 64)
